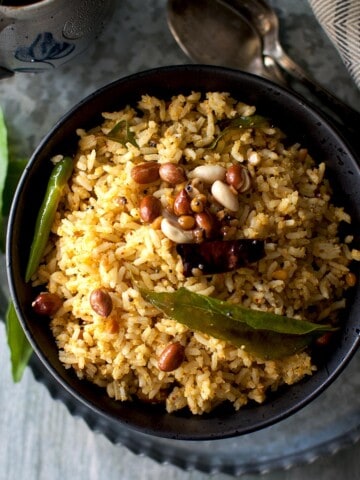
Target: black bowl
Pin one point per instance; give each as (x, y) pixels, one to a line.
(300, 121)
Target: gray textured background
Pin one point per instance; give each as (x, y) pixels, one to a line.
(39, 439)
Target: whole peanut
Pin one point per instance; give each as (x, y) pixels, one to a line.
(206, 222)
(146, 172)
(234, 176)
(101, 302)
(150, 208)
(172, 173)
(171, 357)
(46, 303)
(182, 203)
(238, 177)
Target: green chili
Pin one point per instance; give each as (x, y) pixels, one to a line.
(262, 333)
(58, 179)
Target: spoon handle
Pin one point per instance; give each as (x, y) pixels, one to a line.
(347, 115)
(273, 72)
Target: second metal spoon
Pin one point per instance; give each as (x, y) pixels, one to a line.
(264, 19)
(214, 33)
(243, 34)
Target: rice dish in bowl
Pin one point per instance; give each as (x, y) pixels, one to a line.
(118, 230)
(147, 306)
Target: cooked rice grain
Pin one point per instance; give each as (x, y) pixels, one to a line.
(99, 240)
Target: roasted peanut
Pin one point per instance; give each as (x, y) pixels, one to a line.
(171, 357)
(146, 172)
(150, 208)
(172, 173)
(46, 303)
(225, 196)
(206, 222)
(101, 302)
(182, 203)
(235, 176)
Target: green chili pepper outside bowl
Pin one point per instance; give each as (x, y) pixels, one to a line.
(114, 419)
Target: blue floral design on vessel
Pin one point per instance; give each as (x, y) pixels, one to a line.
(43, 49)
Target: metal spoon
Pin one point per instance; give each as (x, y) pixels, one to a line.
(215, 33)
(261, 15)
(227, 32)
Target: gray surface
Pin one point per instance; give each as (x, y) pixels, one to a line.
(41, 441)
(39, 438)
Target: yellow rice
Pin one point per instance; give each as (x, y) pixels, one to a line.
(99, 240)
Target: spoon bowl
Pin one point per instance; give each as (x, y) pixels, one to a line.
(265, 21)
(244, 34)
(223, 36)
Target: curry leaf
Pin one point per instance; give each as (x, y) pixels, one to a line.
(254, 121)
(15, 170)
(129, 136)
(10, 171)
(20, 348)
(265, 334)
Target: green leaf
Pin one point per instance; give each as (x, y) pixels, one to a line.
(15, 170)
(10, 172)
(265, 334)
(4, 155)
(4, 160)
(254, 121)
(20, 348)
(115, 134)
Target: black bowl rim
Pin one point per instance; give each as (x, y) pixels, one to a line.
(86, 407)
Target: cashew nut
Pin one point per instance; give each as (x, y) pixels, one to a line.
(224, 195)
(172, 231)
(208, 173)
